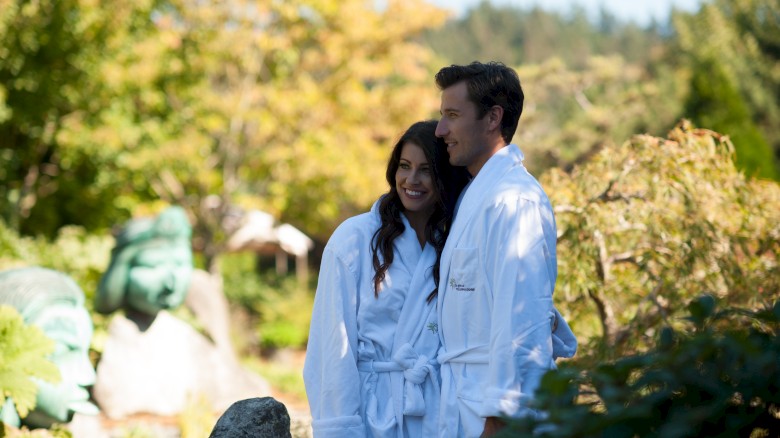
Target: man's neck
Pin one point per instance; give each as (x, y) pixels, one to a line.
(474, 168)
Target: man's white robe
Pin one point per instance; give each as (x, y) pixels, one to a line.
(496, 313)
(371, 368)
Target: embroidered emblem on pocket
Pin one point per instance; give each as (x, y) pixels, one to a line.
(460, 287)
(433, 327)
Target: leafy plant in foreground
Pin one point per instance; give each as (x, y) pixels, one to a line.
(720, 377)
(23, 358)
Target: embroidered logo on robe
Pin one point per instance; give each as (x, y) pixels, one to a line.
(433, 327)
(460, 287)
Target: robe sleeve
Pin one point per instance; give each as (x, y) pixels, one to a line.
(330, 372)
(521, 268)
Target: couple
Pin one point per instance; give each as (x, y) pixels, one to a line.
(412, 337)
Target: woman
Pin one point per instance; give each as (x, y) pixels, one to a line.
(371, 365)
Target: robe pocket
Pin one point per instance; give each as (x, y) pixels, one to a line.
(380, 427)
(470, 398)
(465, 273)
(471, 384)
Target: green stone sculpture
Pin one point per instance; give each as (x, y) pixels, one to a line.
(151, 265)
(53, 302)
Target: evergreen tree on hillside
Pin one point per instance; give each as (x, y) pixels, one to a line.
(715, 103)
(517, 36)
(740, 36)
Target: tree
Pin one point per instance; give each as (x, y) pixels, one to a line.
(47, 54)
(736, 42)
(570, 114)
(299, 101)
(715, 103)
(522, 36)
(285, 106)
(647, 226)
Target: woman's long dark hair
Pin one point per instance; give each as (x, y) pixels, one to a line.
(448, 182)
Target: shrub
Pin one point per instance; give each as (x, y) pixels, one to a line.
(75, 252)
(279, 305)
(719, 377)
(23, 357)
(647, 226)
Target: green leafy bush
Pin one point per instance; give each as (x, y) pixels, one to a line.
(75, 252)
(279, 305)
(23, 357)
(647, 226)
(718, 377)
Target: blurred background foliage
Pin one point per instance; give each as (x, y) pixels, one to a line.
(111, 110)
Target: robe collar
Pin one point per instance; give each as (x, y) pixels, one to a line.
(491, 173)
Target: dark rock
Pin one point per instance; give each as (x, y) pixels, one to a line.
(259, 417)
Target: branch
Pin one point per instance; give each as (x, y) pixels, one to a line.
(646, 319)
(567, 209)
(606, 316)
(582, 100)
(623, 257)
(610, 197)
(607, 196)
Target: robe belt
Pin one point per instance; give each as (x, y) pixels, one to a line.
(416, 369)
(478, 354)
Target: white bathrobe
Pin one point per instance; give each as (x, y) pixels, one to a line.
(371, 368)
(496, 313)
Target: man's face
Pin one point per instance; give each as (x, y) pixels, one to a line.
(465, 135)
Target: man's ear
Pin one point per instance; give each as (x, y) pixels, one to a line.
(495, 114)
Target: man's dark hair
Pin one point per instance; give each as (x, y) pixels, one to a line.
(488, 84)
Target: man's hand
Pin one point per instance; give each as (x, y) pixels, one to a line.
(492, 426)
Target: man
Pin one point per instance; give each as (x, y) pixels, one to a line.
(498, 268)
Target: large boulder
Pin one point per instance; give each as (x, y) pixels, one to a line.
(159, 367)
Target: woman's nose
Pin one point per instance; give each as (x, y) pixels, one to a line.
(414, 177)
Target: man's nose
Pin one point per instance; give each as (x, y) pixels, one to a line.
(441, 128)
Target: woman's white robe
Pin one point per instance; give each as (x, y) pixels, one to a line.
(500, 331)
(371, 368)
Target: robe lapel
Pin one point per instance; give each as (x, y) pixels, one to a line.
(415, 310)
(407, 248)
(490, 174)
